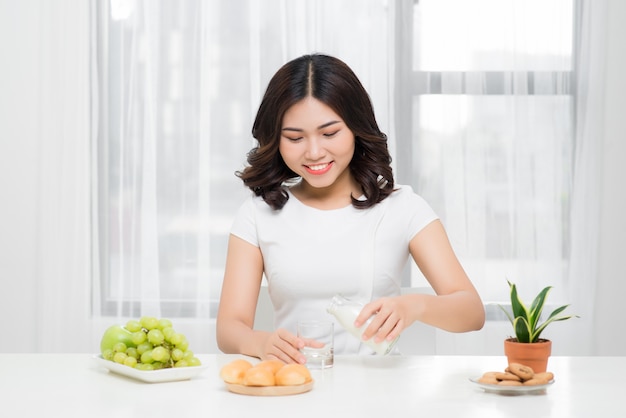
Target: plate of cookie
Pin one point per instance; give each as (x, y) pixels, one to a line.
(516, 379)
(513, 389)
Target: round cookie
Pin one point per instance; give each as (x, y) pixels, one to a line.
(510, 383)
(535, 381)
(507, 376)
(544, 375)
(524, 372)
(489, 378)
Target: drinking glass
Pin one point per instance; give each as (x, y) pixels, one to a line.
(318, 337)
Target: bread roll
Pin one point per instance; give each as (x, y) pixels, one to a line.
(292, 374)
(259, 376)
(234, 371)
(271, 365)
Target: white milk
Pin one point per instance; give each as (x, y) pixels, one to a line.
(346, 311)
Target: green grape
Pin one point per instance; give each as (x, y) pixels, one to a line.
(157, 365)
(164, 323)
(167, 333)
(177, 339)
(144, 366)
(188, 354)
(107, 354)
(184, 345)
(181, 363)
(160, 354)
(156, 337)
(119, 347)
(149, 322)
(133, 326)
(132, 352)
(146, 357)
(143, 347)
(177, 354)
(119, 357)
(138, 337)
(130, 361)
(194, 361)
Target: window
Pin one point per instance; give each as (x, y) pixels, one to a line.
(491, 137)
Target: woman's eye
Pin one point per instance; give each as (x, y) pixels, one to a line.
(330, 134)
(293, 139)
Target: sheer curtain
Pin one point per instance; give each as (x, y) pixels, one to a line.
(61, 153)
(504, 148)
(178, 86)
(490, 116)
(590, 105)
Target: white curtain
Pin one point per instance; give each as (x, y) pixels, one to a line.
(179, 84)
(49, 291)
(586, 197)
(491, 139)
(506, 149)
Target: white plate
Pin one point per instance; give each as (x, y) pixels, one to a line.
(151, 376)
(513, 390)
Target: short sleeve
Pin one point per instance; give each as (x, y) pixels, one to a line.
(417, 210)
(244, 225)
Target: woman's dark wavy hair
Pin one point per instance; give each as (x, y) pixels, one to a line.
(333, 83)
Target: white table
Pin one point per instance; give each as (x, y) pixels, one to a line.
(74, 385)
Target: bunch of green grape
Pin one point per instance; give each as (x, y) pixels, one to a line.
(151, 344)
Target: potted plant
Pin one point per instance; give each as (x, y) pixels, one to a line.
(527, 347)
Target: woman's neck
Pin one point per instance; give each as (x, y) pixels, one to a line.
(335, 196)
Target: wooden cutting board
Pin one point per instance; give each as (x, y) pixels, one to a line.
(269, 390)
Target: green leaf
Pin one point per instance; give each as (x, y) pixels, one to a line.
(558, 311)
(537, 307)
(543, 326)
(508, 315)
(518, 307)
(522, 330)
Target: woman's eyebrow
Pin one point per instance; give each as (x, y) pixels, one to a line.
(325, 125)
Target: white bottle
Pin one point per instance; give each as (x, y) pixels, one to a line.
(346, 311)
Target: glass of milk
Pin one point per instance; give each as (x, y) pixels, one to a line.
(318, 338)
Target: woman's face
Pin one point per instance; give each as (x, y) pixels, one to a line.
(316, 144)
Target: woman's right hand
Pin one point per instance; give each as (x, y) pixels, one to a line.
(283, 345)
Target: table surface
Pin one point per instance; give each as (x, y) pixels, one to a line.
(73, 385)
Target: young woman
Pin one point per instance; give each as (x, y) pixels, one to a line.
(326, 217)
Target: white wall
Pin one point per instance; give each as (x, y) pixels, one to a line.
(22, 190)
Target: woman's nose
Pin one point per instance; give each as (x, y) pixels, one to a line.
(315, 149)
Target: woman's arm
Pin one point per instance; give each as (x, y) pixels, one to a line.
(235, 318)
(456, 306)
(240, 292)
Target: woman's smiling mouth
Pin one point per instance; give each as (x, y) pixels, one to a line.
(318, 169)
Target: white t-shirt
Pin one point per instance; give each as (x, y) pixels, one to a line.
(311, 254)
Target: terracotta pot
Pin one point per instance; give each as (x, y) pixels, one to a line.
(534, 355)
